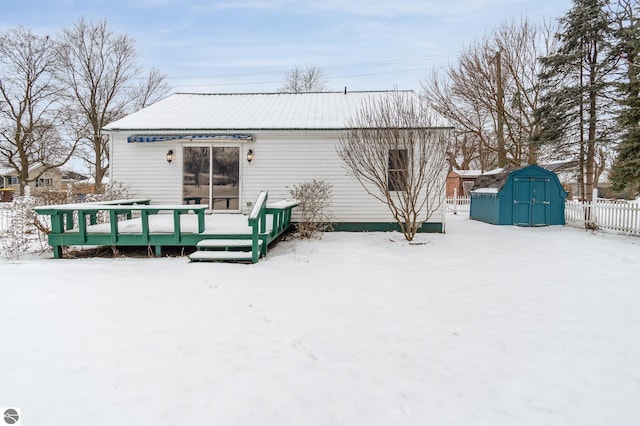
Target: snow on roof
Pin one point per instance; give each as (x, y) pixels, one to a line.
(486, 190)
(468, 173)
(494, 171)
(252, 111)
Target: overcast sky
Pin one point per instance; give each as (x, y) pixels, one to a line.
(248, 45)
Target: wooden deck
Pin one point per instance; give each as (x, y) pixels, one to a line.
(138, 223)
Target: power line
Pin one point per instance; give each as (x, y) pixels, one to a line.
(330, 68)
(245, 83)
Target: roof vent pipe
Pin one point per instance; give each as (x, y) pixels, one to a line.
(345, 90)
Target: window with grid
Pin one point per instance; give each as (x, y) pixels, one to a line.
(44, 182)
(397, 172)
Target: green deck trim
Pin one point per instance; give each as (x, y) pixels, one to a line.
(79, 235)
(428, 227)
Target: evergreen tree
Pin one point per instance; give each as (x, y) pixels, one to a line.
(625, 172)
(574, 117)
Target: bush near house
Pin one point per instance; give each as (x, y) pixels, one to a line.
(315, 199)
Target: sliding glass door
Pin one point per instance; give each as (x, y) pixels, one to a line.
(211, 175)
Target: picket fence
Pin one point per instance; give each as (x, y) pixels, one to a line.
(457, 205)
(617, 216)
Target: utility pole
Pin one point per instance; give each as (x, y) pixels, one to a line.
(502, 153)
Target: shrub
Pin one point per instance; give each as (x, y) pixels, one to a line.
(113, 191)
(24, 231)
(315, 199)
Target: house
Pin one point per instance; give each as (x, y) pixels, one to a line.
(48, 180)
(6, 190)
(223, 149)
(525, 196)
(460, 182)
(72, 177)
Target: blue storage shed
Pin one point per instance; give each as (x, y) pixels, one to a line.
(526, 196)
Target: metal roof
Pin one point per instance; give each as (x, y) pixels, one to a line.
(252, 111)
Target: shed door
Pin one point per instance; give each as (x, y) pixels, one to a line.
(531, 201)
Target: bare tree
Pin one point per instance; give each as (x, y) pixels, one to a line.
(29, 105)
(491, 94)
(303, 80)
(153, 88)
(105, 83)
(398, 152)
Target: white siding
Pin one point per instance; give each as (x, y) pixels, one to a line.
(144, 169)
(282, 159)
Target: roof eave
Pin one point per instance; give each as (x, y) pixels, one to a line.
(256, 129)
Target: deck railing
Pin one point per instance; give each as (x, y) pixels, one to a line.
(280, 212)
(79, 224)
(69, 223)
(258, 223)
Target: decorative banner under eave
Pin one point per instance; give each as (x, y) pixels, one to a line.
(162, 138)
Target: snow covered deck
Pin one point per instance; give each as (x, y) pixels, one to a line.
(214, 224)
(132, 224)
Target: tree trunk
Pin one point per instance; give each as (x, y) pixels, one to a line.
(502, 153)
(591, 142)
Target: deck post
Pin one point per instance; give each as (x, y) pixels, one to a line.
(57, 223)
(113, 218)
(57, 251)
(200, 221)
(255, 251)
(176, 225)
(69, 220)
(144, 218)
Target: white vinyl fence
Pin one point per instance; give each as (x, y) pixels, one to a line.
(616, 216)
(457, 205)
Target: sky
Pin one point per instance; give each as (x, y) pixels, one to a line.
(238, 46)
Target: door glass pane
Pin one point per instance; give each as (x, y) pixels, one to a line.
(226, 173)
(195, 178)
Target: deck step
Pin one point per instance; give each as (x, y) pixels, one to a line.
(211, 256)
(212, 244)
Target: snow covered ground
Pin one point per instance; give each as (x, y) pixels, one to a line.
(485, 325)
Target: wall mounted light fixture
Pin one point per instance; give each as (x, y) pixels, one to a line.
(250, 155)
(170, 156)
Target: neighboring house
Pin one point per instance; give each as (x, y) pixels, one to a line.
(50, 180)
(6, 191)
(223, 149)
(5, 179)
(460, 182)
(72, 177)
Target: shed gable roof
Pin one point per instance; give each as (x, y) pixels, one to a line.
(495, 180)
(250, 111)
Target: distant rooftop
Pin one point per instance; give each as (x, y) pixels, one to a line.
(252, 111)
